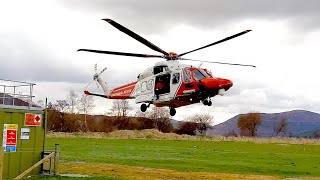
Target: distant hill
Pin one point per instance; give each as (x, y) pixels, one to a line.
(301, 123)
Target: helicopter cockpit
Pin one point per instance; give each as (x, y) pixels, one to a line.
(195, 73)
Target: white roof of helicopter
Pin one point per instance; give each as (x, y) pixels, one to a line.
(171, 64)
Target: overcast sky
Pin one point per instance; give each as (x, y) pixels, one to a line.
(39, 39)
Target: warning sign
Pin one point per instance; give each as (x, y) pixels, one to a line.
(9, 141)
(32, 119)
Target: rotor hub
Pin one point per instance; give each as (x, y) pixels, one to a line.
(171, 56)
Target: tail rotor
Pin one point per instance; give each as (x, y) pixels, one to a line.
(96, 76)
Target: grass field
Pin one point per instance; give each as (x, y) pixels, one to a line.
(81, 155)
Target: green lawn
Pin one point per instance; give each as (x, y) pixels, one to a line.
(229, 157)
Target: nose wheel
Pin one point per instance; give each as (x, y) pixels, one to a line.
(172, 111)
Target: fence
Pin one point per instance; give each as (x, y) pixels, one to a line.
(16, 93)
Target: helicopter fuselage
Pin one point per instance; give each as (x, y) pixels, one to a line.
(172, 84)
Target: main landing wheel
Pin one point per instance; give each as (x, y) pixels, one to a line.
(172, 111)
(205, 102)
(143, 107)
(209, 103)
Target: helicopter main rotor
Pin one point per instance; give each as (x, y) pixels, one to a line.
(166, 55)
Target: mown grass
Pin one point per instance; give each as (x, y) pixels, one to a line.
(284, 160)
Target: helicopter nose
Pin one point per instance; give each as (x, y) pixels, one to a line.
(226, 84)
(217, 83)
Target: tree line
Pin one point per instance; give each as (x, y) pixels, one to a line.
(72, 114)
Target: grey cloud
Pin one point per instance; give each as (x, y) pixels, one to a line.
(155, 16)
(21, 59)
(264, 100)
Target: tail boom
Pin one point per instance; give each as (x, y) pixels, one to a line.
(122, 92)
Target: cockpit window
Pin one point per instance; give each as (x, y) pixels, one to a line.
(206, 74)
(197, 75)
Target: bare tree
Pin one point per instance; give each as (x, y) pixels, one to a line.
(161, 119)
(73, 101)
(249, 123)
(86, 104)
(120, 107)
(203, 122)
(280, 126)
(61, 106)
(57, 114)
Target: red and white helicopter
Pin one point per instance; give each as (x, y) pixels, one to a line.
(167, 83)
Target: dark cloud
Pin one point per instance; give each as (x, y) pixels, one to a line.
(154, 16)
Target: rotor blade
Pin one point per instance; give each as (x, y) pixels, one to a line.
(217, 62)
(102, 71)
(135, 36)
(121, 53)
(217, 42)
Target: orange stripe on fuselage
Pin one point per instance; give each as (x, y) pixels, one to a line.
(123, 92)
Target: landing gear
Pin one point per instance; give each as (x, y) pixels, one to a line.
(172, 111)
(143, 107)
(207, 102)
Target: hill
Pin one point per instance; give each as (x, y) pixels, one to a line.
(301, 123)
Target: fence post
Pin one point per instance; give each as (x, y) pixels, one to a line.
(1, 161)
(56, 159)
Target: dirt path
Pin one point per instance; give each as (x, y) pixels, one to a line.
(141, 173)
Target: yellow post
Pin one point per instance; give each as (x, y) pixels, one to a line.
(1, 161)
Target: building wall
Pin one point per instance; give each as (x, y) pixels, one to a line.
(28, 151)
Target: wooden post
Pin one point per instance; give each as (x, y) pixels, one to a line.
(56, 159)
(1, 161)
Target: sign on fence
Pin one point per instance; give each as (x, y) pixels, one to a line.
(9, 141)
(32, 119)
(25, 133)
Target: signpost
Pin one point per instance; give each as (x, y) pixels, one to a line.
(9, 141)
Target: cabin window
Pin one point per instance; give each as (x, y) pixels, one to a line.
(175, 78)
(160, 69)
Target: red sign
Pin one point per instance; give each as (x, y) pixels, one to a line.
(11, 137)
(33, 119)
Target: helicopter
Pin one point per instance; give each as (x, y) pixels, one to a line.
(168, 83)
